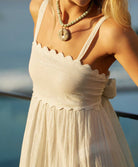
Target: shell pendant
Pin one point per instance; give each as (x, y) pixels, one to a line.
(64, 34)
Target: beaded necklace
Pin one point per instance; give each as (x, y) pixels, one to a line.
(64, 33)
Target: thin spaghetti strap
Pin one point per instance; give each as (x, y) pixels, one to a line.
(91, 37)
(40, 17)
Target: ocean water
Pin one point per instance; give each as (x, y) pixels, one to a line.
(16, 34)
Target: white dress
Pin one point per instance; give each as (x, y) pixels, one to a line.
(71, 122)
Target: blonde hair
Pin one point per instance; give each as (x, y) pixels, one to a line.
(118, 10)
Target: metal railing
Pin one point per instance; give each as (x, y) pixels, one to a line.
(28, 97)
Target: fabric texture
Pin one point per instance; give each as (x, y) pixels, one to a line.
(70, 121)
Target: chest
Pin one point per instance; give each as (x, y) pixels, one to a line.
(48, 36)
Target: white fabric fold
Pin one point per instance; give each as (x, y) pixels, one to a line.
(110, 89)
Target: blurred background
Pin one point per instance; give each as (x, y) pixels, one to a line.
(16, 36)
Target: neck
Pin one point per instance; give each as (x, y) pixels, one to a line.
(71, 10)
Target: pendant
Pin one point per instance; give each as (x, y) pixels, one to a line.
(64, 34)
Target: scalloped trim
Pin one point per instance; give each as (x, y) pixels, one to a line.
(64, 107)
(70, 59)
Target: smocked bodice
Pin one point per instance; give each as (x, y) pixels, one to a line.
(61, 81)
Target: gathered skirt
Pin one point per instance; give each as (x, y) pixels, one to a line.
(73, 138)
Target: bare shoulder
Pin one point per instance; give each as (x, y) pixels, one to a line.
(115, 37)
(34, 8)
(123, 43)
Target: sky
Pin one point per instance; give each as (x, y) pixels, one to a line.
(133, 8)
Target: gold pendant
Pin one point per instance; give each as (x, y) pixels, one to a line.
(64, 34)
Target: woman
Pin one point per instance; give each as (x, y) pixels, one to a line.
(71, 122)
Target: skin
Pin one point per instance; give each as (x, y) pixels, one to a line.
(117, 43)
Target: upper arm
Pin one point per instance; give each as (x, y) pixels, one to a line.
(34, 9)
(123, 43)
(127, 53)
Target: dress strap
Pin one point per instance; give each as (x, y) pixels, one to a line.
(40, 17)
(91, 37)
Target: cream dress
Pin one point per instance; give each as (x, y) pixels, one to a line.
(71, 122)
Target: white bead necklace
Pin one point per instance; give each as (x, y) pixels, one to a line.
(65, 34)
